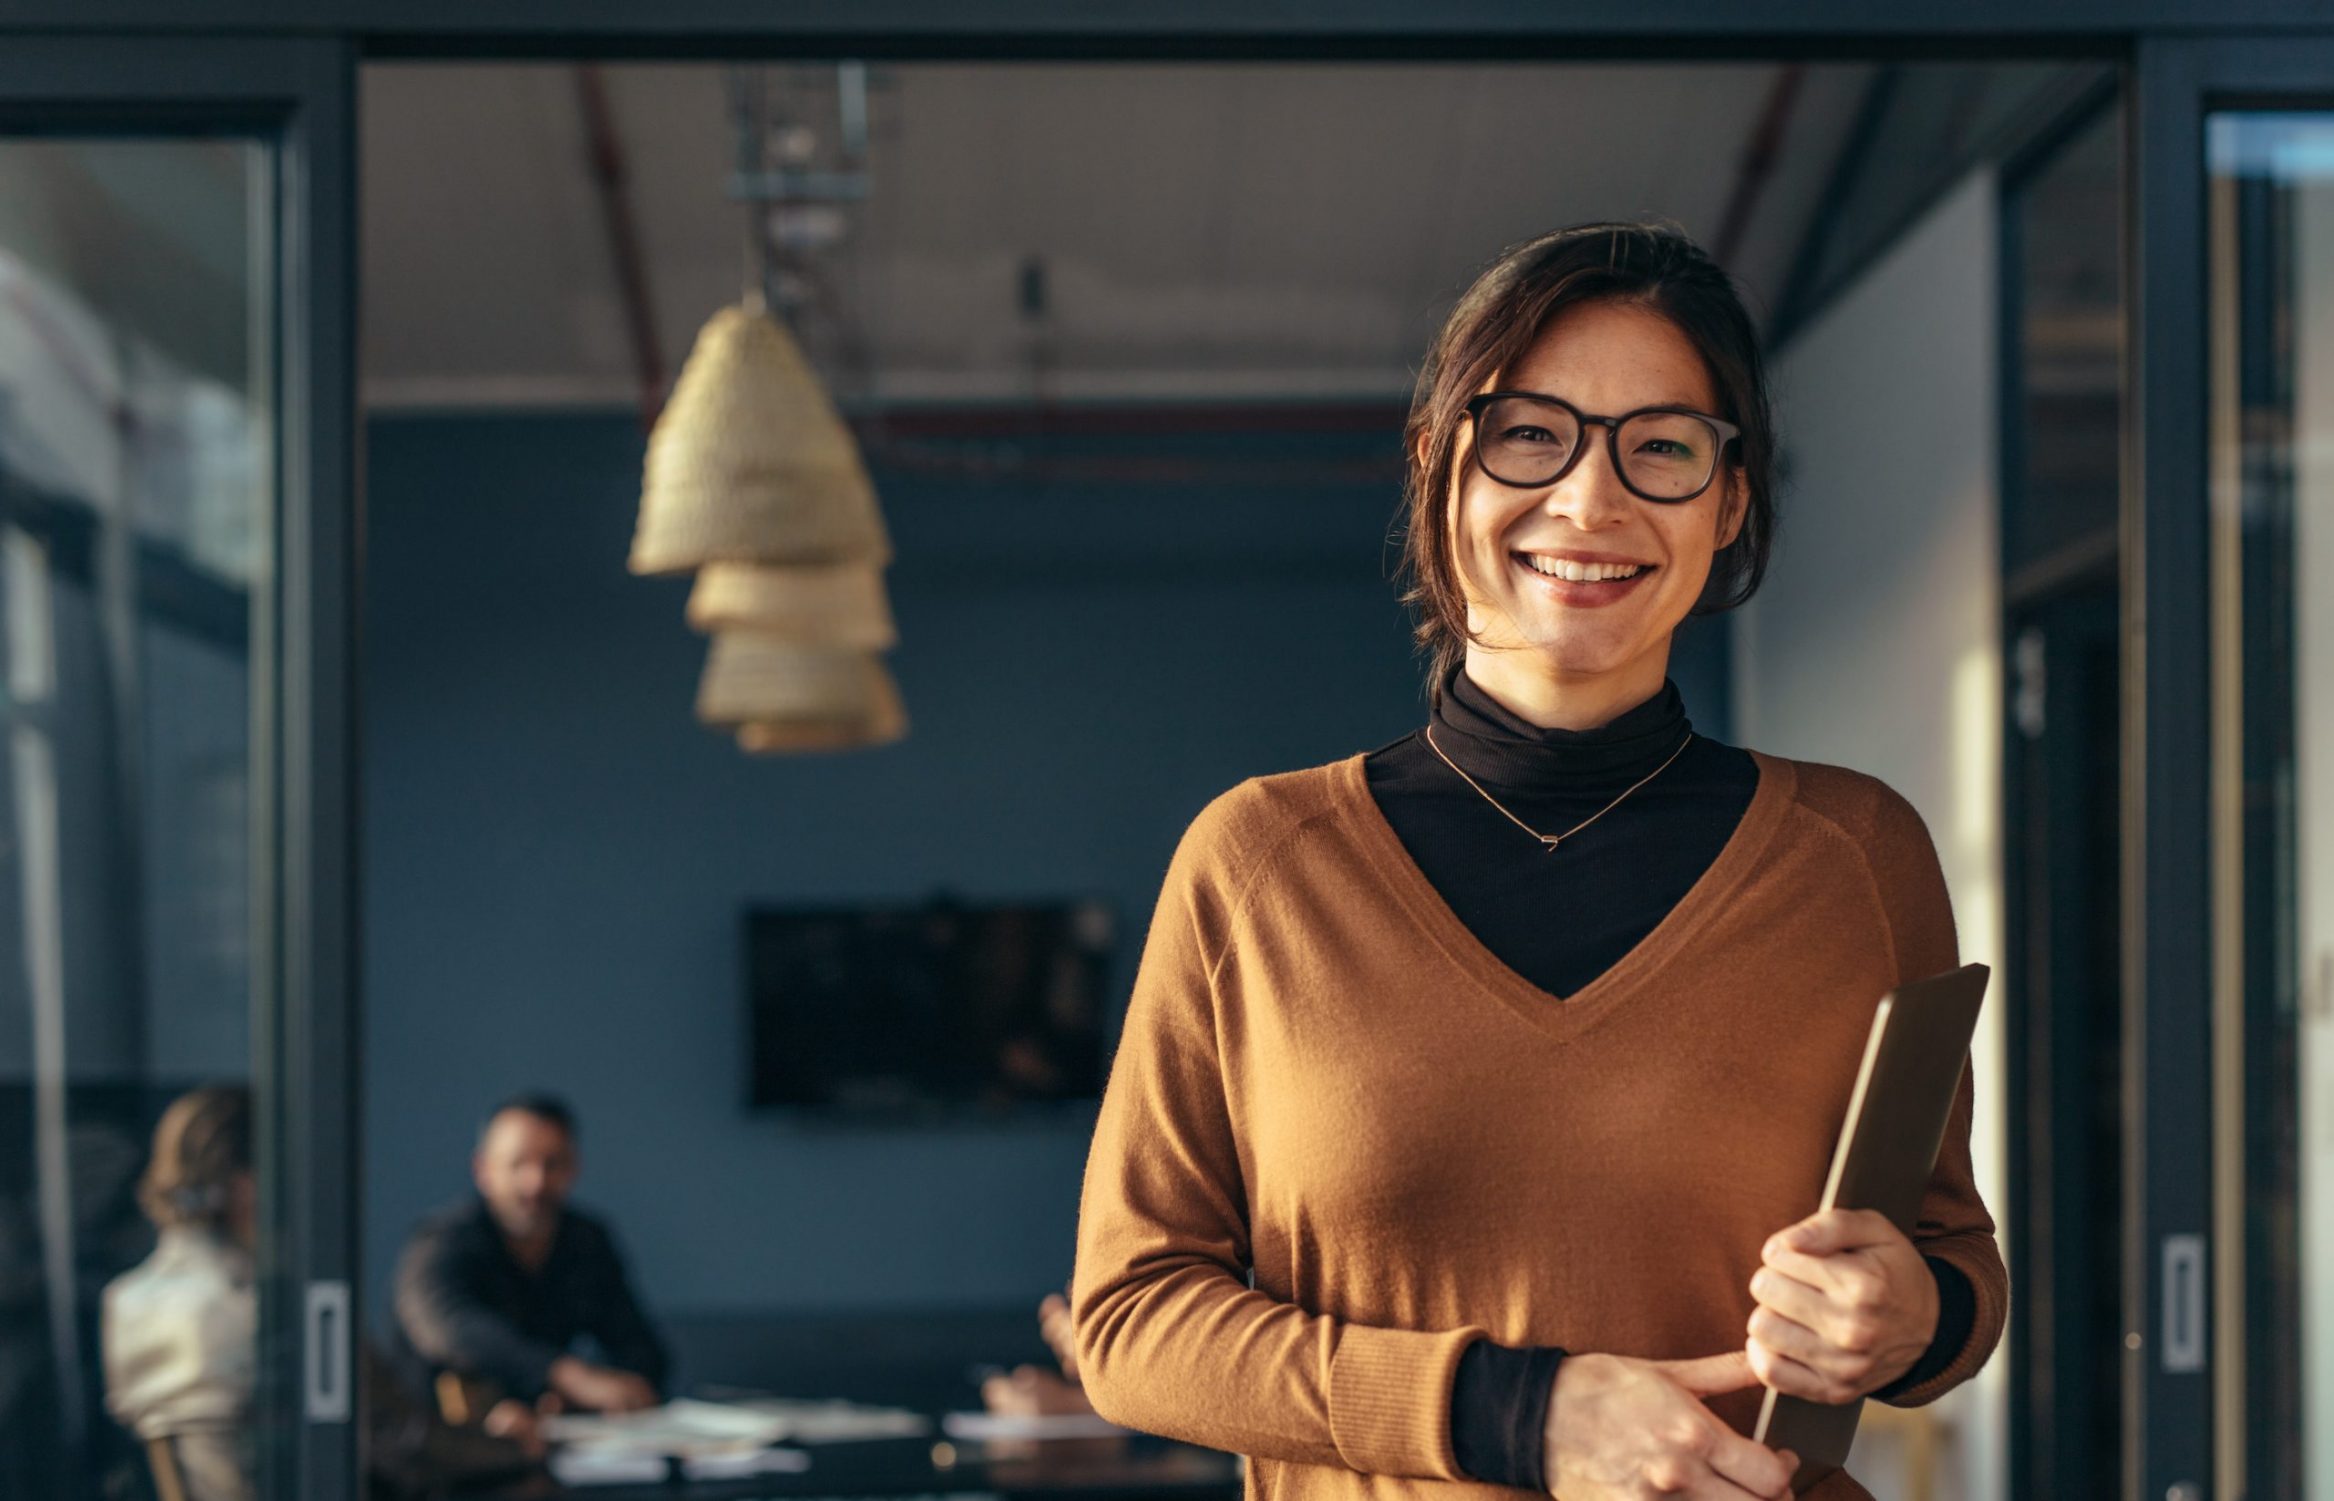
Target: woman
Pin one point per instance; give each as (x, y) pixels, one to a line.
(1475, 1092)
(180, 1329)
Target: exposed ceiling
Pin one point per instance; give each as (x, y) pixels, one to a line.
(1215, 231)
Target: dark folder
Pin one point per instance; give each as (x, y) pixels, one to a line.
(1887, 1149)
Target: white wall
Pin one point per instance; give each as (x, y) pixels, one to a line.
(1875, 642)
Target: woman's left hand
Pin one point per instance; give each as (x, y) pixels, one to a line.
(1846, 1305)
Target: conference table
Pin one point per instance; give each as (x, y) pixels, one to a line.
(1135, 1467)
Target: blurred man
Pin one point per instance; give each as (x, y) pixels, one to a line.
(497, 1289)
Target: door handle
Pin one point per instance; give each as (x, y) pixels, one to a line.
(2183, 1341)
(326, 1359)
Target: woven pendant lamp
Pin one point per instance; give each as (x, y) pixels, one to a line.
(820, 604)
(888, 723)
(786, 695)
(751, 463)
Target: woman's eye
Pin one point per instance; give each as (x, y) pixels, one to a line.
(1666, 448)
(1529, 435)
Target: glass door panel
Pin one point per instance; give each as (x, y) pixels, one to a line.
(137, 507)
(2272, 468)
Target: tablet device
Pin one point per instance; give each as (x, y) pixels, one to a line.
(1887, 1149)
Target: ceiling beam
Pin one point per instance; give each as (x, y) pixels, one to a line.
(604, 152)
(1759, 155)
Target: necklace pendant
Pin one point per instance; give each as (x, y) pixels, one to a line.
(1551, 841)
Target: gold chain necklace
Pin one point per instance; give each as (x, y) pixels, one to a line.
(1550, 841)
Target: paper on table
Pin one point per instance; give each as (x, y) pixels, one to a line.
(682, 1427)
(757, 1462)
(835, 1421)
(588, 1466)
(987, 1425)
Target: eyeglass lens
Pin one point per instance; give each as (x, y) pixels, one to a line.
(1664, 455)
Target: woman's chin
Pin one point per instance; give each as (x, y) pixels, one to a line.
(1566, 648)
(1531, 659)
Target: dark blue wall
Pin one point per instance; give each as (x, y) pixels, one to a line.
(1098, 634)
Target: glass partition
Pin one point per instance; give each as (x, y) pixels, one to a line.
(2272, 474)
(137, 475)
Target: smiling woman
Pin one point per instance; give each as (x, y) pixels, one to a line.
(1476, 1091)
(1498, 502)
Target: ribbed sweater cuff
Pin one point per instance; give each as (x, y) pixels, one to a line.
(1390, 1399)
(1956, 1320)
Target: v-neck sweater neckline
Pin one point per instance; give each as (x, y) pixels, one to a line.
(1565, 1016)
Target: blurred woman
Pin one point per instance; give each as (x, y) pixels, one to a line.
(181, 1327)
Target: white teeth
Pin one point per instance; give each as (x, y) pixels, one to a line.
(1581, 573)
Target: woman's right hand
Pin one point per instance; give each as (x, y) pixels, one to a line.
(1619, 1427)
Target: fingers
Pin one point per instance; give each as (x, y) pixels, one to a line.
(1832, 1230)
(1683, 1475)
(1795, 1302)
(514, 1420)
(1796, 1378)
(1708, 1375)
(1844, 1348)
(1839, 1329)
(1054, 1323)
(1782, 1336)
(1841, 1276)
(1708, 1461)
(1013, 1395)
(1750, 1465)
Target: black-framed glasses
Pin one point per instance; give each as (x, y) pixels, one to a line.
(1667, 453)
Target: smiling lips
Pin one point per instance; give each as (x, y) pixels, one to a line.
(1582, 583)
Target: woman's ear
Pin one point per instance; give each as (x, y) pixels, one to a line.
(1737, 505)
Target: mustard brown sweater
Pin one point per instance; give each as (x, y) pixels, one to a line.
(1342, 1141)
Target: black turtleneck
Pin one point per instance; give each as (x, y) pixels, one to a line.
(1612, 882)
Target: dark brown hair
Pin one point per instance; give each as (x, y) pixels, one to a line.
(1649, 265)
(201, 1143)
(539, 1103)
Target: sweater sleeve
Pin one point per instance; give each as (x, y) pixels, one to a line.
(1171, 1337)
(1953, 1224)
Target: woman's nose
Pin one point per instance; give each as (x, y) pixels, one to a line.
(1592, 494)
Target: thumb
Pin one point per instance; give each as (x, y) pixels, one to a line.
(1708, 1375)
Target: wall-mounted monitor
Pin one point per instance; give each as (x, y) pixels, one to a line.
(918, 1010)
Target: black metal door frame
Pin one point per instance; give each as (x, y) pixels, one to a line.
(298, 95)
(2174, 1239)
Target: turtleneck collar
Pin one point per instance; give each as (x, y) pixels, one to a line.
(1497, 747)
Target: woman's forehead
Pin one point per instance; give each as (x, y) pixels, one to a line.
(1610, 357)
